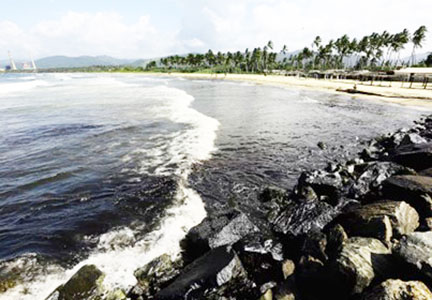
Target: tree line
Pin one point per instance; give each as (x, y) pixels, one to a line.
(374, 52)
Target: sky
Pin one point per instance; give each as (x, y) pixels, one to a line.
(155, 28)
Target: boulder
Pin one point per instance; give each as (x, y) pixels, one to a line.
(373, 220)
(371, 175)
(273, 193)
(325, 184)
(84, 284)
(411, 139)
(314, 244)
(261, 257)
(218, 268)
(395, 289)
(415, 190)
(288, 268)
(157, 274)
(336, 237)
(427, 172)
(301, 218)
(360, 261)
(310, 272)
(219, 229)
(416, 156)
(416, 250)
(116, 294)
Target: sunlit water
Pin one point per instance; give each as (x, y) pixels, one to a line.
(114, 169)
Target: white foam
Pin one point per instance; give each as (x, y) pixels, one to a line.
(17, 87)
(119, 252)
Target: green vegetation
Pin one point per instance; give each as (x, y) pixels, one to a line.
(372, 52)
(375, 52)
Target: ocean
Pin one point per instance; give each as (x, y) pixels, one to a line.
(114, 169)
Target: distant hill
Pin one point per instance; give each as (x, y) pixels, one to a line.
(80, 61)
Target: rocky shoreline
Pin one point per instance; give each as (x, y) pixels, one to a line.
(361, 229)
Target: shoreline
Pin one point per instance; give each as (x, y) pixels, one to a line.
(394, 94)
(358, 229)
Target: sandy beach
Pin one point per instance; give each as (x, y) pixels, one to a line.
(394, 92)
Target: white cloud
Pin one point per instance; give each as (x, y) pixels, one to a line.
(88, 34)
(219, 25)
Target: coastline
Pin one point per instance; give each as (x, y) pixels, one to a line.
(394, 94)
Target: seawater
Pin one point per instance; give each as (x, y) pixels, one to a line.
(114, 169)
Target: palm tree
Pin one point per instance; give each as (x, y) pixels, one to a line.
(398, 42)
(315, 47)
(343, 47)
(417, 39)
(247, 59)
(306, 55)
(386, 39)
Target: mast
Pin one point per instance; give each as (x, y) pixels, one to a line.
(12, 63)
(33, 63)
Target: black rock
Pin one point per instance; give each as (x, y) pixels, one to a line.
(273, 194)
(218, 268)
(156, 274)
(218, 229)
(84, 284)
(325, 184)
(314, 245)
(416, 156)
(261, 257)
(371, 175)
(358, 264)
(415, 190)
(336, 237)
(395, 289)
(380, 220)
(415, 249)
(302, 218)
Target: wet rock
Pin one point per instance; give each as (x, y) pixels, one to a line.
(261, 257)
(311, 273)
(218, 229)
(267, 295)
(380, 220)
(314, 245)
(302, 218)
(288, 268)
(371, 175)
(84, 284)
(322, 145)
(306, 194)
(416, 156)
(286, 291)
(412, 138)
(325, 184)
(415, 190)
(157, 274)
(360, 261)
(8, 282)
(398, 290)
(427, 172)
(273, 194)
(415, 249)
(336, 237)
(428, 223)
(117, 294)
(217, 268)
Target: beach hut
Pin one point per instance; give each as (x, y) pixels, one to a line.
(411, 73)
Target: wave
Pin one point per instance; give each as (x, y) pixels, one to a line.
(16, 87)
(121, 251)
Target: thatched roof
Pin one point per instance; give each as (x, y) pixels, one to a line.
(417, 71)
